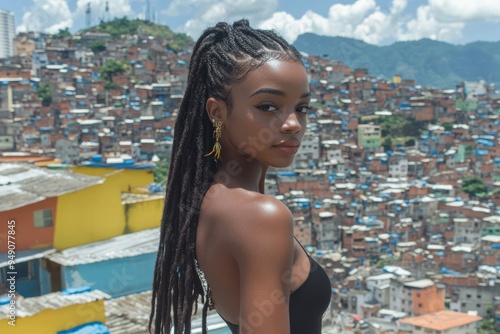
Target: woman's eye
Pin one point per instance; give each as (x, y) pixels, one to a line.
(267, 107)
(304, 109)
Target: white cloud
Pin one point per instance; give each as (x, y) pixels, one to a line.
(465, 10)
(445, 19)
(438, 19)
(206, 13)
(47, 16)
(51, 15)
(362, 20)
(429, 25)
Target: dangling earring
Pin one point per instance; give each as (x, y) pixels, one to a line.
(217, 133)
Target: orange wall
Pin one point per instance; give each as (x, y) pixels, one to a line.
(431, 299)
(27, 236)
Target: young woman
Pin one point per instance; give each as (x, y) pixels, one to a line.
(223, 239)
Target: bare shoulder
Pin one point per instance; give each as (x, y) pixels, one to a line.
(249, 219)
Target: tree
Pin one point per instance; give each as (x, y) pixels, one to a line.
(387, 144)
(399, 126)
(488, 324)
(97, 46)
(45, 93)
(447, 126)
(112, 68)
(63, 33)
(161, 171)
(474, 187)
(410, 142)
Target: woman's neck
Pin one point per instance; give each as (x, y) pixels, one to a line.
(240, 173)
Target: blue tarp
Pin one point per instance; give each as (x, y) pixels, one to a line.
(88, 328)
(74, 291)
(4, 300)
(485, 142)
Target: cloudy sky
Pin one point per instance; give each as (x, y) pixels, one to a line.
(374, 21)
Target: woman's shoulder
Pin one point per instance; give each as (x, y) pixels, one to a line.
(238, 212)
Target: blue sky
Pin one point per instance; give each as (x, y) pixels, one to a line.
(374, 21)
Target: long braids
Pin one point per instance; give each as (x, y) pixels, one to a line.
(223, 54)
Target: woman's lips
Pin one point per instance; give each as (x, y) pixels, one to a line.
(287, 149)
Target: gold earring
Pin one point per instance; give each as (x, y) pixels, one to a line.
(217, 148)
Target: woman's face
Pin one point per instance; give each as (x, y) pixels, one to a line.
(269, 114)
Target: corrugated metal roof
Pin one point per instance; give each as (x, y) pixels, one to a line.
(130, 315)
(25, 255)
(126, 245)
(56, 300)
(24, 184)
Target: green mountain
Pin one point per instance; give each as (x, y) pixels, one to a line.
(428, 62)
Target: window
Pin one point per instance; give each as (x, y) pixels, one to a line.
(24, 271)
(42, 218)
(419, 305)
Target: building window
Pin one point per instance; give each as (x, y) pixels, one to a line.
(24, 271)
(419, 305)
(42, 218)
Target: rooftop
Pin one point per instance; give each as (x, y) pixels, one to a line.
(420, 284)
(24, 184)
(56, 300)
(441, 320)
(126, 245)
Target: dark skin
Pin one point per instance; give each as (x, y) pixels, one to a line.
(245, 243)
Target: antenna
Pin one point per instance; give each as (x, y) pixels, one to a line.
(107, 16)
(148, 11)
(88, 13)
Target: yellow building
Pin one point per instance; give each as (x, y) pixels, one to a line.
(53, 312)
(120, 204)
(78, 209)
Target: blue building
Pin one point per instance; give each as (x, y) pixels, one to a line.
(118, 266)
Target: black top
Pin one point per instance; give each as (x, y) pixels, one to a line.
(307, 303)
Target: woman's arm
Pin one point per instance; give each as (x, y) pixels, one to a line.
(264, 254)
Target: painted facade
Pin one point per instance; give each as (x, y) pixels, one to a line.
(61, 312)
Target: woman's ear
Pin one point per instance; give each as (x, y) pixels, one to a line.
(216, 109)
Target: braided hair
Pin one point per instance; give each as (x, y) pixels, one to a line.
(223, 55)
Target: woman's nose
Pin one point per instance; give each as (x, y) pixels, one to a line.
(291, 123)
